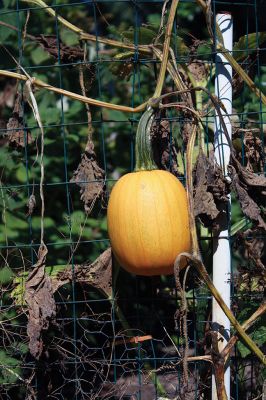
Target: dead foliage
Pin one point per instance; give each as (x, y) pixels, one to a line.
(50, 44)
(251, 246)
(211, 191)
(186, 127)
(41, 303)
(90, 178)
(31, 204)
(123, 70)
(253, 152)
(198, 70)
(250, 190)
(16, 134)
(164, 152)
(129, 387)
(98, 274)
(254, 248)
(248, 141)
(8, 93)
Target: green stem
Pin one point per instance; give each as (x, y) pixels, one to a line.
(144, 154)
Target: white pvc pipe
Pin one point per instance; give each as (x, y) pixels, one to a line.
(222, 253)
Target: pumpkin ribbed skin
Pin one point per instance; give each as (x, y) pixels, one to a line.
(148, 222)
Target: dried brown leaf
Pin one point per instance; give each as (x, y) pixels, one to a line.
(253, 149)
(98, 274)
(123, 70)
(250, 190)
(67, 53)
(252, 272)
(211, 191)
(199, 70)
(8, 93)
(164, 152)
(41, 303)
(186, 127)
(15, 130)
(254, 249)
(249, 178)
(90, 177)
(248, 205)
(31, 205)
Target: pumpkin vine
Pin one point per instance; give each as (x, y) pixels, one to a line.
(143, 148)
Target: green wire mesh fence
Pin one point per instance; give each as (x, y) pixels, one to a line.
(112, 335)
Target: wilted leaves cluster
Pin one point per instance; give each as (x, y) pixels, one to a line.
(90, 178)
(41, 303)
(250, 190)
(17, 135)
(211, 191)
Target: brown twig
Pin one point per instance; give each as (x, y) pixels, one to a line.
(218, 367)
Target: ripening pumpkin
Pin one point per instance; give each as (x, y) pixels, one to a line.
(147, 214)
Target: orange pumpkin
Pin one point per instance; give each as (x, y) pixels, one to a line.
(147, 217)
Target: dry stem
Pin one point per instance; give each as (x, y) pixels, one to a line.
(75, 96)
(166, 47)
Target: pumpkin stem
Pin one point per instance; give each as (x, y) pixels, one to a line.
(144, 154)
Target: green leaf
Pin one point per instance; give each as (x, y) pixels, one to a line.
(9, 368)
(6, 32)
(147, 35)
(75, 107)
(18, 292)
(38, 56)
(238, 226)
(6, 275)
(116, 115)
(259, 337)
(69, 38)
(21, 175)
(178, 44)
(243, 350)
(15, 222)
(21, 347)
(204, 50)
(248, 44)
(154, 20)
(9, 3)
(36, 222)
(144, 35)
(14, 225)
(5, 159)
(50, 115)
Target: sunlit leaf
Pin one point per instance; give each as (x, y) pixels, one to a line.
(247, 44)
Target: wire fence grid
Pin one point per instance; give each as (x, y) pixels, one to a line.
(127, 345)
